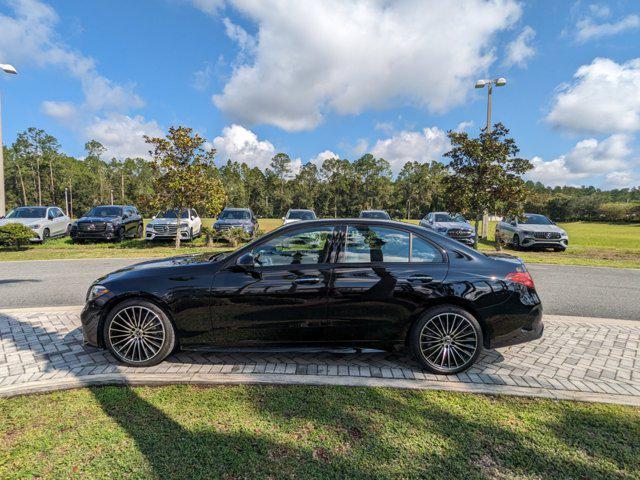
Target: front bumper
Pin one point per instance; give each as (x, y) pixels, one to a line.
(103, 235)
(465, 240)
(153, 235)
(222, 228)
(545, 242)
(90, 318)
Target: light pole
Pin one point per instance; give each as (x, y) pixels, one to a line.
(498, 82)
(11, 70)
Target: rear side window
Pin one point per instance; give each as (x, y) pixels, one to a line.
(366, 244)
(369, 244)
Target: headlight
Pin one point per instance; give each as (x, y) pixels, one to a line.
(35, 227)
(530, 234)
(110, 226)
(184, 225)
(564, 234)
(442, 229)
(149, 227)
(95, 292)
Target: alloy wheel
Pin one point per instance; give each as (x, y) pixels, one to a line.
(448, 341)
(136, 334)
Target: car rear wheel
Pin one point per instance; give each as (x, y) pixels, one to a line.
(46, 234)
(139, 232)
(139, 333)
(516, 242)
(446, 340)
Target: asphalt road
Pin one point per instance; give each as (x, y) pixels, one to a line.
(565, 290)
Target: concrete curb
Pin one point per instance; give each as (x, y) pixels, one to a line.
(135, 379)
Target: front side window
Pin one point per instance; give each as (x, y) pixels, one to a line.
(301, 215)
(366, 244)
(302, 247)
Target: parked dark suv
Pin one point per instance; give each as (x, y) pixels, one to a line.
(108, 222)
(236, 218)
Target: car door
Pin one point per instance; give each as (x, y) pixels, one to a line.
(130, 221)
(282, 299)
(51, 222)
(382, 277)
(197, 222)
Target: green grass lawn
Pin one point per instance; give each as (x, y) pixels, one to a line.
(593, 244)
(311, 432)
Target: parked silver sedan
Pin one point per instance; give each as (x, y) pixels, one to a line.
(532, 230)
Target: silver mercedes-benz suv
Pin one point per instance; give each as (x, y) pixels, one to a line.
(532, 230)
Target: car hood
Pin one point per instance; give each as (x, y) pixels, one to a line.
(161, 263)
(453, 225)
(163, 221)
(23, 221)
(540, 228)
(98, 219)
(233, 221)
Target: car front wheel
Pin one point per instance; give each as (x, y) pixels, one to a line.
(446, 340)
(139, 333)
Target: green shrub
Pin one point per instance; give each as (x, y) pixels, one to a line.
(232, 236)
(619, 212)
(15, 235)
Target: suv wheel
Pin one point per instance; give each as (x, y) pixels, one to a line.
(46, 234)
(446, 340)
(139, 333)
(516, 242)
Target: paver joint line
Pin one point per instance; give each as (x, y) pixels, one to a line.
(577, 359)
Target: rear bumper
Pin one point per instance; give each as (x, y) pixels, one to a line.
(518, 329)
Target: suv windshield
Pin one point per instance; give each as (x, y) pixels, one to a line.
(444, 217)
(235, 215)
(173, 214)
(301, 215)
(105, 212)
(535, 220)
(375, 214)
(28, 212)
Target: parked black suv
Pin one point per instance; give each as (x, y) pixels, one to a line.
(108, 222)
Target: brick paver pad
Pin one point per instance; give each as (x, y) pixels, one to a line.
(578, 358)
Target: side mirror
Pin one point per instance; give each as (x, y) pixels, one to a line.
(246, 261)
(513, 223)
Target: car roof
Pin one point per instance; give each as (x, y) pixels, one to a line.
(300, 210)
(237, 209)
(363, 211)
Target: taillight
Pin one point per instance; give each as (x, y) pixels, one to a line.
(523, 278)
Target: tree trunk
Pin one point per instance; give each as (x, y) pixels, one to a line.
(178, 230)
(24, 190)
(122, 185)
(53, 189)
(475, 238)
(70, 200)
(38, 181)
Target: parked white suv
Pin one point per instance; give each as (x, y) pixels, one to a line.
(45, 222)
(165, 225)
(532, 230)
(297, 215)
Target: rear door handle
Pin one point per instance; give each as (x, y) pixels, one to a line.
(308, 280)
(420, 278)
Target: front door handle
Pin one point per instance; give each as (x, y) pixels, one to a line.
(420, 278)
(307, 280)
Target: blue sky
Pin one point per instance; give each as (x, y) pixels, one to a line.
(338, 77)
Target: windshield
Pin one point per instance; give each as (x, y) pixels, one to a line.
(301, 215)
(444, 217)
(28, 212)
(375, 214)
(460, 218)
(173, 214)
(105, 212)
(535, 220)
(235, 215)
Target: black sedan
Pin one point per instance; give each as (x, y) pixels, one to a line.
(322, 283)
(108, 222)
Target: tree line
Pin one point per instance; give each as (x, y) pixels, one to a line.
(38, 172)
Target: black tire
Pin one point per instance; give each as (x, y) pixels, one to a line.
(559, 249)
(120, 235)
(46, 235)
(191, 234)
(453, 325)
(516, 242)
(140, 232)
(127, 346)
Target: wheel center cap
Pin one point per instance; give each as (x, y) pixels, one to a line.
(448, 340)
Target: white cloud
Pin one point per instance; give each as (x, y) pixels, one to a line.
(202, 78)
(322, 156)
(588, 159)
(29, 37)
(520, 49)
(412, 146)
(239, 144)
(604, 97)
(360, 55)
(122, 135)
(623, 179)
(210, 7)
(588, 28)
(462, 126)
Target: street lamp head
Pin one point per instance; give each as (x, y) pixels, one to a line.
(501, 82)
(6, 68)
(481, 83)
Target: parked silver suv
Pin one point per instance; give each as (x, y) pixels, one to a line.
(532, 230)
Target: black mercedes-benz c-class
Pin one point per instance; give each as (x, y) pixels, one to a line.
(334, 283)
